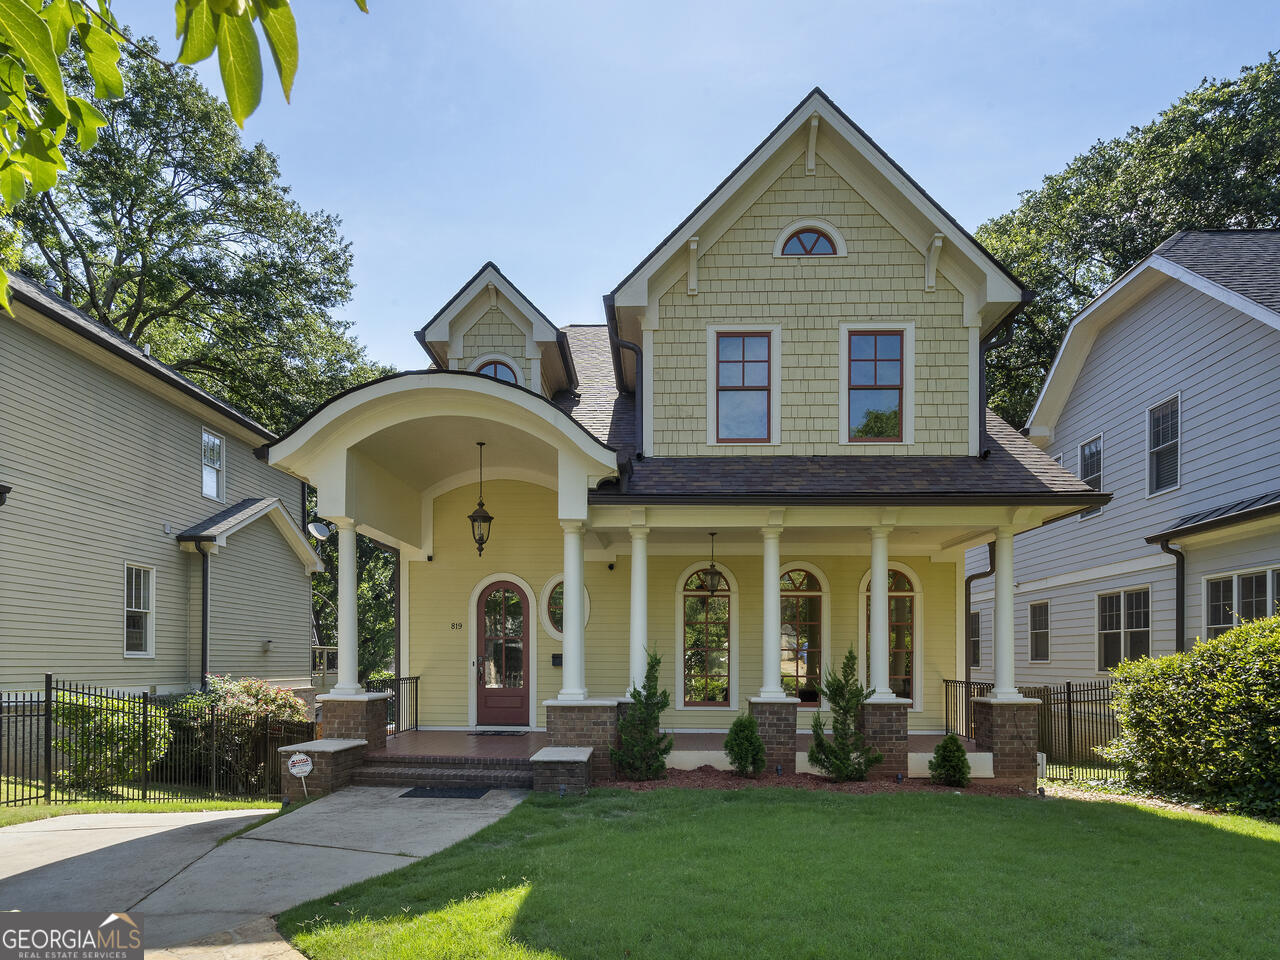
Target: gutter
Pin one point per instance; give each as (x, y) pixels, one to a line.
(1179, 595)
(204, 610)
(617, 343)
(968, 604)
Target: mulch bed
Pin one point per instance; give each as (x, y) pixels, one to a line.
(709, 778)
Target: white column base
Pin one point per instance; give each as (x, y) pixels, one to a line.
(887, 696)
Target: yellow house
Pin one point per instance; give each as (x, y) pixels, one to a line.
(791, 379)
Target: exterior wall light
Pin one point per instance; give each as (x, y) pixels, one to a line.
(480, 517)
(4, 494)
(715, 579)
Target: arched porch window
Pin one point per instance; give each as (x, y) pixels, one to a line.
(903, 602)
(802, 637)
(706, 643)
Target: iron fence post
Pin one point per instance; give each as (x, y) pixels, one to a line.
(1071, 740)
(48, 738)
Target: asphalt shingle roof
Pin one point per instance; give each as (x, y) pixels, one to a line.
(1246, 262)
(598, 405)
(227, 519)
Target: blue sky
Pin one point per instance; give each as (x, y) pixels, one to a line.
(564, 140)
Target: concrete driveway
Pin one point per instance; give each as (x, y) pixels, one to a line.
(168, 868)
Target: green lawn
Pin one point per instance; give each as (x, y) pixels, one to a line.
(783, 873)
(41, 811)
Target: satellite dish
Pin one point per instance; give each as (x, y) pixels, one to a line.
(319, 530)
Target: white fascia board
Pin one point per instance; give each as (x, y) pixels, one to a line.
(437, 331)
(288, 530)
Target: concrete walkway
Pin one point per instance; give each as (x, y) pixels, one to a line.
(213, 899)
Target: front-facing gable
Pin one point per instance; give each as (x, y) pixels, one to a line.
(895, 263)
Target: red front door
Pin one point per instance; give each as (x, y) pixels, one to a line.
(502, 662)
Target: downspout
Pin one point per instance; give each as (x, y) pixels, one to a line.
(204, 614)
(968, 605)
(618, 343)
(1179, 595)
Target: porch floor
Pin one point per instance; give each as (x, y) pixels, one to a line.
(521, 746)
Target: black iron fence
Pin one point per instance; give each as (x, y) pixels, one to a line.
(73, 742)
(402, 707)
(1076, 718)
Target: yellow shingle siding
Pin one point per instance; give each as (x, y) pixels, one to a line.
(495, 333)
(882, 278)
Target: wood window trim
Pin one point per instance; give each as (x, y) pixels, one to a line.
(901, 385)
(820, 594)
(917, 596)
(906, 421)
(482, 370)
(544, 606)
(768, 389)
(727, 593)
(819, 235)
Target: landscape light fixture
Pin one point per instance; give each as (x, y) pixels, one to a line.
(480, 517)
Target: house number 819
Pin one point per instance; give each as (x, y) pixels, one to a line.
(455, 625)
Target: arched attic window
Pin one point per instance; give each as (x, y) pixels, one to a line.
(498, 370)
(809, 242)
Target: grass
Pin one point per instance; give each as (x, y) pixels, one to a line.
(67, 804)
(782, 873)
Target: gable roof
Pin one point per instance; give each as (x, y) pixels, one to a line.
(52, 307)
(217, 528)
(436, 330)
(597, 404)
(1240, 268)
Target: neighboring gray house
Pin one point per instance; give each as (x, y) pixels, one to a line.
(1165, 394)
(122, 472)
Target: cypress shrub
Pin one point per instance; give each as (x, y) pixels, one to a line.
(845, 756)
(642, 748)
(950, 765)
(744, 746)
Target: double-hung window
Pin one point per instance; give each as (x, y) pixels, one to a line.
(1039, 635)
(875, 385)
(1239, 598)
(1091, 468)
(212, 467)
(1162, 446)
(1124, 626)
(743, 401)
(975, 639)
(139, 611)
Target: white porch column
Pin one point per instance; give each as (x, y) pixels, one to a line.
(878, 624)
(639, 605)
(771, 685)
(348, 638)
(574, 673)
(1005, 686)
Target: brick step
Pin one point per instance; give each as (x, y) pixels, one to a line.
(428, 760)
(399, 775)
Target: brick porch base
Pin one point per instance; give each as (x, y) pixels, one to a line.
(1010, 730)
(884, 725)
(776, 723)
(586, 723)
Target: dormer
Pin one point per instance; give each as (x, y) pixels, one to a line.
(491, 328)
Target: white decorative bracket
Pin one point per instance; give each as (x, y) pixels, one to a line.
(693, 267)
(493, 294)
(811, 155)
(931, 263)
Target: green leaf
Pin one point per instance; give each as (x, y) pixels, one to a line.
(363, 5)
(241, 65)
(58, 16)
(102, 55)
(281, 29)
(87, 119)
(30, 37)
(4, 292)
(198, 32)
(13, 185)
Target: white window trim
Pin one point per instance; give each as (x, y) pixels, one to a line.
(1102, 472)
(734, 646)
(824, 594)
(1097, 634)
(511, 362)
(1269, 569)
(908, 330)
(917, 615)
(222, 471)
(1146, 432)
(545, 596)
(977, 635)
(775, 384)
(150, 652)
(815, 223)
(1048, 630)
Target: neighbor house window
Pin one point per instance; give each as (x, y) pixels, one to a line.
(1162, 446)
(975, 639)
(742, 387)
(1091, 468)
(1220, 615)
(1124, 627)
(1039, 617)
(801, 635)
(213, 471)
(1231, 601)
(139, 611)
(808, 242)
(1275, 593)
(902, 625)
(498, 370)
(875, 386)
(706, 643)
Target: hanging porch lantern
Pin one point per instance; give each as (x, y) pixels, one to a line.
(715, 579)
(480, 517)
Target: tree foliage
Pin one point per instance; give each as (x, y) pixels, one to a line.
(179, 236)
(1211, 160)
(38, 36)
(845, 755)
(376, 592)
(744, 747)
(642, 748)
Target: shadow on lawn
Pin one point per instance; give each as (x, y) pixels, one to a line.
(777, 872)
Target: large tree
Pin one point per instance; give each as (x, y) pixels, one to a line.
(1211, 160)
(181, 237)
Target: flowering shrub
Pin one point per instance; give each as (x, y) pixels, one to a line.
(256, 698)
(100, 741)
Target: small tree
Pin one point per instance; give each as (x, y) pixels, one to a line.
(744, 746)
(949, 765)
(643, 748)
(845, 756)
